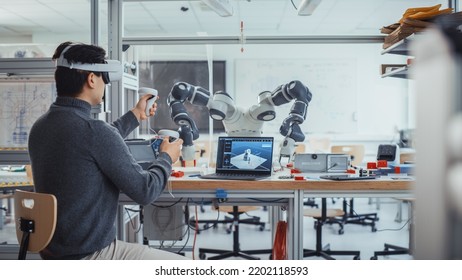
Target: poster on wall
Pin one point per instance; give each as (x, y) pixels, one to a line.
(21, 104)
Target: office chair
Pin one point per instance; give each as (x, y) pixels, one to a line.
(320, 216)
(35, 215)
(390, 249)
(236, 211)
(351, 217)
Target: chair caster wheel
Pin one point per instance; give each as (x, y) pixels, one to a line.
(356, 258)
(228, 231)
(374, 229)
(262, 228)
(202, 256)
(206, 226)
(374, 258)
(270, 257)
(341, 231)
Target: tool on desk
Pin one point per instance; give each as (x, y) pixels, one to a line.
(286, 176)
(345, 177)
(243, 158)
(14, 168)
(388, 152)
(321, 163)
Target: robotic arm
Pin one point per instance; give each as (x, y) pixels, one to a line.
(236, 121)
(220, 106)
(290, 127)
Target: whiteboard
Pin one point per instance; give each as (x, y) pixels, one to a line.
(332, 83)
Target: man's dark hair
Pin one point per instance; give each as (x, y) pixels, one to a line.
(69, 82)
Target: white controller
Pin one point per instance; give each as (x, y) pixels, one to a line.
(174, 135)
(143, 91)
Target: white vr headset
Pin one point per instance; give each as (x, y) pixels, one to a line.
(112, 69)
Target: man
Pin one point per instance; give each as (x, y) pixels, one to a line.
(85, 162)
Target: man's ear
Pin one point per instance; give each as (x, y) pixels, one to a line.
(91, 80)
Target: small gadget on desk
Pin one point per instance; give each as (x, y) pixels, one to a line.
(243, 158)
(143, 91)
(321, 163)
(155, 143)
(141, 151)
(345, 177)
(388, 152)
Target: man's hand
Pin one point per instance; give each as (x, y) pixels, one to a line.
(140, 109)
(172, 149)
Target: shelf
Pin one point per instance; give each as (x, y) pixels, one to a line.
(401, 47)
(14, 156)
(397, 72)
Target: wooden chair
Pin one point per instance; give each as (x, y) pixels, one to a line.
(355, 151)
(35, 215)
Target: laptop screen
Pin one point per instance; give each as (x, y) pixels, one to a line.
(246, 155)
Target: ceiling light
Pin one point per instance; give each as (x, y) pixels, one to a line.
(221, 7)
(307, 7)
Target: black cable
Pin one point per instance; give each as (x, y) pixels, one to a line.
(131, 220)
(295, 7)
(329, 168)
(390, 229)
(162, 206)
(269, 201)
(397, 229)
(188, 231)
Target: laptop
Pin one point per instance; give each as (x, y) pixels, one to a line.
(141, 151)
(243, 158)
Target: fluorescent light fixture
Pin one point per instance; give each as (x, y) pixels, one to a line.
(221, 7)
(307, 7)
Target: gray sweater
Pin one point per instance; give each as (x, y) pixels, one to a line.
(85, 163)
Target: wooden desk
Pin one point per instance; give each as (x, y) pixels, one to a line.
(281, 192)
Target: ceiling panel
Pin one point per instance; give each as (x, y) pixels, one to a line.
(188, 18)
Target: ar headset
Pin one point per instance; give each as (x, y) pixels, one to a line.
(111, 70)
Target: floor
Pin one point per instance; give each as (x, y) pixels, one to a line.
(355, 237)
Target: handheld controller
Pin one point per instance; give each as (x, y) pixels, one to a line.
(143, 91)
(155, 144)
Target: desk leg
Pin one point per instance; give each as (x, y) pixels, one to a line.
(295, 223)
(1, 213)
(121, 223)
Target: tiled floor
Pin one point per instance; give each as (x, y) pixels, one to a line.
(355, 237)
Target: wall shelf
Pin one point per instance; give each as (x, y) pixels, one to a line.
(397, 71)
(401, 47)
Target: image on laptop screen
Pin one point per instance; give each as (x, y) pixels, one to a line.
(253, 155)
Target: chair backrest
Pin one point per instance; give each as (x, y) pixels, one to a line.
(40, 208)
(356, 151)
(318, 145)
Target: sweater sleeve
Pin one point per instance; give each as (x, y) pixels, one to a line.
(126, 124)
(118, 165)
